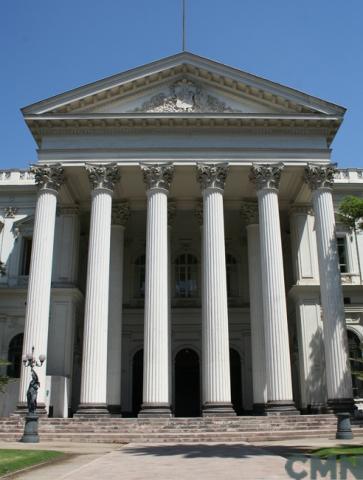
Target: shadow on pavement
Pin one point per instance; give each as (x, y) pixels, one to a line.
(217, 450)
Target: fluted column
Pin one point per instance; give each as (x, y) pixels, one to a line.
(249, 214)
(120, 215)
(94, 361)
(156, 401)
(171, 217)
(278, 367)
(215, 337)
(48, 179)
(339, 382)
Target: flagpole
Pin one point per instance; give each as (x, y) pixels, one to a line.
(183, 7)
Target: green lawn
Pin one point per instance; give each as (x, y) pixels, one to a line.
(347, 450)
(12, 460)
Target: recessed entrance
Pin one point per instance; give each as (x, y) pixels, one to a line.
(137, 380)
(236, 380)
(187, 384)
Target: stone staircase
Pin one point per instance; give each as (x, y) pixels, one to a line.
(126, 430)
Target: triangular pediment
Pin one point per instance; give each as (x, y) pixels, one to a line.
(183, 83)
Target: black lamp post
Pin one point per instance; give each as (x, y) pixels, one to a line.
(31, 420)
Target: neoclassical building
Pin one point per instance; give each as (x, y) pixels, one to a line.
(176, 249)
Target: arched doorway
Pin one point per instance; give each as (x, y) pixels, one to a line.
(355, 352)
(236, 380)
(187, 384)
(14, 356)
(137, 380)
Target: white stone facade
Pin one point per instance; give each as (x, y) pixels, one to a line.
(180, 219)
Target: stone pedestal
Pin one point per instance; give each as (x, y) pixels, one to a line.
(49, 180)
(278, 366)
(94, 362)
(339, 381)
(215, 337)
(156, 391)
(30, 429)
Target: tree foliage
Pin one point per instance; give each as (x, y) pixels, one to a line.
(351, 212)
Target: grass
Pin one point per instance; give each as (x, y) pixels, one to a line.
(12, 460)
(346, 450)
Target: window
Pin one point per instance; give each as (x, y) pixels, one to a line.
(186, 266)
(232, 276)
(342, 254)
(355, 352)
(25, 256)
(14, 356)
(140, 276)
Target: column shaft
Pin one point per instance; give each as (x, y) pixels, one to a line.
(215, 333)
(38, 299)
(115, 320)
(257, 322)
(95, 333)
(339, 382)
(278, 363)
(49, 178)
(156, 390)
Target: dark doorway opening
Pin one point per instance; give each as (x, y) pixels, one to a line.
(187, 384)
(236, 380)
(137, 380)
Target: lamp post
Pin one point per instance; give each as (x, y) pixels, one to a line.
(31, 420)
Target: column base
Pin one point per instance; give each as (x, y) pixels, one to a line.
(22, 410)
(215, 409)
(115, 410)
(92, 410)
(316, 408)
(340, 405)
(259, 409)
(155, 410)
(281, 407)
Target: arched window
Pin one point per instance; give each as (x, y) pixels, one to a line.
(355, 352)
(14, 356)
(232, 276)
(140, 276)
(186, 269)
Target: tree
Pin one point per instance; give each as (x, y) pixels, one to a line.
(351, 212)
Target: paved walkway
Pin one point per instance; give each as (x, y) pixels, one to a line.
(207, 461)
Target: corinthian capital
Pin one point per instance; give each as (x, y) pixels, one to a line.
(120, 213)
(320, 176)
(48, 176)
(212, 175)
(159, 175)
(103, 176)
(249, 213)
(266, 176)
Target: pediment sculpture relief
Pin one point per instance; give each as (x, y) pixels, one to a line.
(184, 96)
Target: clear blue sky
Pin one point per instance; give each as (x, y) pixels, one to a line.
(48, 46)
